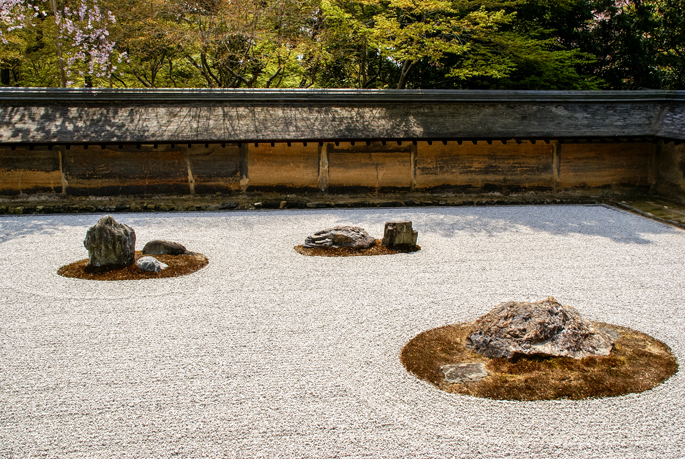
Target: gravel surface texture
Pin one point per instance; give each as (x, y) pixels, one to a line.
(268, 353)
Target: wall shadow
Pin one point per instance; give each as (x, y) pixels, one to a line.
(594, 221)
(449, 222)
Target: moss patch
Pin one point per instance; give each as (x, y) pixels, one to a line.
(377, 249)
(179, 265)
(637, 363)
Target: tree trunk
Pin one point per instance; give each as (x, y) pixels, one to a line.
(5, 77)
(60, 60)
(403, 74)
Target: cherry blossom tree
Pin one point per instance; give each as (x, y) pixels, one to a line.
(16, 14)
(84, 48)
(85, 28)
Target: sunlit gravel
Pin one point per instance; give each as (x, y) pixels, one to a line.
(267, 353)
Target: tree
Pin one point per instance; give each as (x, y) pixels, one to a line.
(621, 36)
(84, 28)
(457, 43)
(248, 43)
(15, 16)
(671, 49)
(399, 34)
(41, 30)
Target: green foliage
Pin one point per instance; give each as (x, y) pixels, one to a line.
(477, 44)
(671, 39)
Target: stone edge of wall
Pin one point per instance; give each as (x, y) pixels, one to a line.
(84, 95)
(55, 115)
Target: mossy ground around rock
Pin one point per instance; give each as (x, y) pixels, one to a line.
(376, 249)
(179, 265)
(637, 363)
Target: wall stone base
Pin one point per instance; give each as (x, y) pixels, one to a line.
(49, 204)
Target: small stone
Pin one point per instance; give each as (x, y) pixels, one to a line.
(545, 328)
(399, 235)
(150, 264)
(340, 236)
(228, 205)
(463, 372)
(110, 244)
(160, 247)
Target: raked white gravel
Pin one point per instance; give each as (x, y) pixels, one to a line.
(267, 353)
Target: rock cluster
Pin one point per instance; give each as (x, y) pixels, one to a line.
(340, 236)
(110, 244)
(545, 328)
(399, 235)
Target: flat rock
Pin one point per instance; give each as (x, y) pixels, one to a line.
(150, 264)
(463, 372)
(110, 244)
(399, 235)
(340, 236)
(160, 247)
(545, 328)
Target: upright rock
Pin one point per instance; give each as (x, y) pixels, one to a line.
(340, 236)
(545, 328)
(399, 235)
(110, 244)
(159, 247)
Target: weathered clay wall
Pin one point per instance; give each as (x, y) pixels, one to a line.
(123, 142)
(671, 170)
(523, 165)
(375, 166)
(30, 171)
(336, 167)
(281, 166)
(596, 165)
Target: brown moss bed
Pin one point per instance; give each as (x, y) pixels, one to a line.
(377, 249)
(637, 363)
(179, 265)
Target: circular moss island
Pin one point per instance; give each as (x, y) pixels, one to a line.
(636, 363)
(178, 265)
(376, 249)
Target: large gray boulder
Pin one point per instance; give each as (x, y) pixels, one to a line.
(110, 244)
(399, 235)
(340, 236)
(160, 247)
(545, 328)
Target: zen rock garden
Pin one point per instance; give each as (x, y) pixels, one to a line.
(538, 351)
(112, 256)
(399, 237)
(518, 351)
